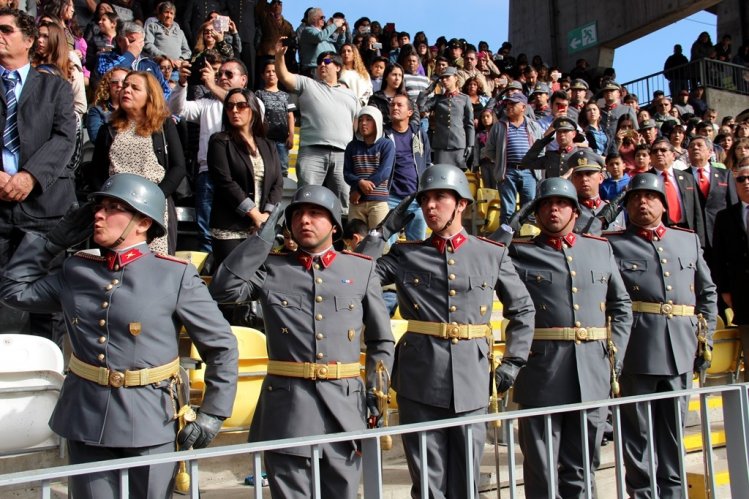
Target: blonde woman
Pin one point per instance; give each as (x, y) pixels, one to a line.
(354, 74)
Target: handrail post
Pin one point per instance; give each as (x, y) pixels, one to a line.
(736, 426)
(372, 467)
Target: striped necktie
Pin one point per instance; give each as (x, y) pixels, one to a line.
(11, 140)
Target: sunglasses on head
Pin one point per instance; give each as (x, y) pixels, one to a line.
(242, 105)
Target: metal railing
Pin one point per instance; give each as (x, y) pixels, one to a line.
(735, 400)
(709, 73)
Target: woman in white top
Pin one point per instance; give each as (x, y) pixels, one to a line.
(354, 74)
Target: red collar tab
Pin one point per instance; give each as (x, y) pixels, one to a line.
(453, 243)
(452, 94)
(116, 261)
(591, 203)
(650, 234)
(326, 259)
(558, 242)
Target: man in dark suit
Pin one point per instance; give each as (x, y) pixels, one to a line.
(716, 188)
(684, 209)
(731, 252)
(36, 187)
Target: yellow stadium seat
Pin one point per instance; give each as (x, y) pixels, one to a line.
(719, 323)
(473, 183)
(483, 196)
(726, 354)
(253, 366)
(197, 258)
(491, 222)
(529, 230)
(729, 316)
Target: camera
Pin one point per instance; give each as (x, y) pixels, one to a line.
(377, 46)
(290, 42)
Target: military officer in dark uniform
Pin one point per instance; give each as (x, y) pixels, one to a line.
(445, 288)
(576, 288)
(123, 312)
(669, 282)
(553, 163)
(316, 303)
(454, 132)
(587, 175)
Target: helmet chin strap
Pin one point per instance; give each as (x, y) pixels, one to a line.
(449, 222)
(136, 218)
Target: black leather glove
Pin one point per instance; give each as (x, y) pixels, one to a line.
(700, 364)
(397, 218)
(467, 153)
(76, 226)
(506, 373)
(373, 409)
(270, 227)
(200, 432)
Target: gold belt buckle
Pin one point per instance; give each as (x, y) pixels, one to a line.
(581, 334)
(667, 308)
(321, 371)
(116, 379)
(453, 332)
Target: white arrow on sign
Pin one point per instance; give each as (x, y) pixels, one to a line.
(575, 43)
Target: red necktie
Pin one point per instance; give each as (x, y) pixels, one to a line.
(703, 181)
(674, 209)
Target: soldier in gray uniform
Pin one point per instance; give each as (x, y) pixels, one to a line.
(123, 313)
(445, 288)
(666, 275)
(576, 288)
(454, 133)
(596, 215)
(316, 304)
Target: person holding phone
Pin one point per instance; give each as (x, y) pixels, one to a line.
(318, 37)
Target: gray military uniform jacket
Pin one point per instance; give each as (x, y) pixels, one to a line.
(314, 311)
(125, 314)
(665, 266)
(453, 119)
(453, 282)
(587, 222)
(574, 283)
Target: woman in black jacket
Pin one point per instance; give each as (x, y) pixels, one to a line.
(246, 174)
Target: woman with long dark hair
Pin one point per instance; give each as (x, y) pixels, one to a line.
(392, 85)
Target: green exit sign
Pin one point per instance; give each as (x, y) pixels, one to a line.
(582, 37)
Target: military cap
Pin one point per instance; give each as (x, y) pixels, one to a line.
(540, 88)
(612, 85)
(513, 85)
(585, 160)
(517, 98)
(449, 71)
(650, 123)
(579, 84)
(563, 123)
(454, 42)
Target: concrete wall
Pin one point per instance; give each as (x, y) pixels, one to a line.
(541, 26)
(726, 103)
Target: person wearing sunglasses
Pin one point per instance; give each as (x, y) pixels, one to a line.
(730, 244)
(245, 171)
(316, 38)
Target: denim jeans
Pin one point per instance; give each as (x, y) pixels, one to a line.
(516, 181)
(283, 157)
(203, 202)
(417, 228)
(323, 166)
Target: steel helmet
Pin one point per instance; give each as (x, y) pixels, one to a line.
(646, 182)
(319, 196)
(555, 187)
(443, 176)
(142, 195)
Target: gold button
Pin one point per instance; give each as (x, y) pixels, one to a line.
(451, 262)
(105, 304)
(538, 278)
(320, 355)
(451, 277)
(270, 388)
(483, 284)
(453, 308)
(102, 322)
(102, 339)
(318, 299)
(320, 336)
(115, 281)
(576, 306)
(316, 266)
(656, 238)
(660, 248)
(318, 280)
(116, 267)
(670, 316)
(670, 302)
(454, 341)
(663, 260)
(634, 266)
(452, 292)
(578, 323)
(573, 273)
(416, 280)
(416, 306)
(569, 258)
(101, 356)
(574, 289)
(351, 306)
(669, 287)
(318, 317)
(667, 274)
(455, 330)
(284, 303)
(108, 287)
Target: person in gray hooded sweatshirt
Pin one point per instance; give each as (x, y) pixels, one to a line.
(367, 163)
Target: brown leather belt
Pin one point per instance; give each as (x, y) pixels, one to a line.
(115, 379)
(662, 308)
(450, 331)
(312, 371)
(570, 333)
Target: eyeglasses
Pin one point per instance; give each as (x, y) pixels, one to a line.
(663, 150)
(116, 82)
(742, 178)
(326, 61)
(7, 29)
(112, 208)
(241, 105)
(221, 73)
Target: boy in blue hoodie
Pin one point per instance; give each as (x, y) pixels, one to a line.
(367, 163)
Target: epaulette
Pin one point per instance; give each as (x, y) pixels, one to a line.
(593, 236)
(278, 253)
(414, 241)
(614, 233)
(683, 229)
(354, 253)
(171, 258)
(497, 243)
(523, 240)
(88, 256)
